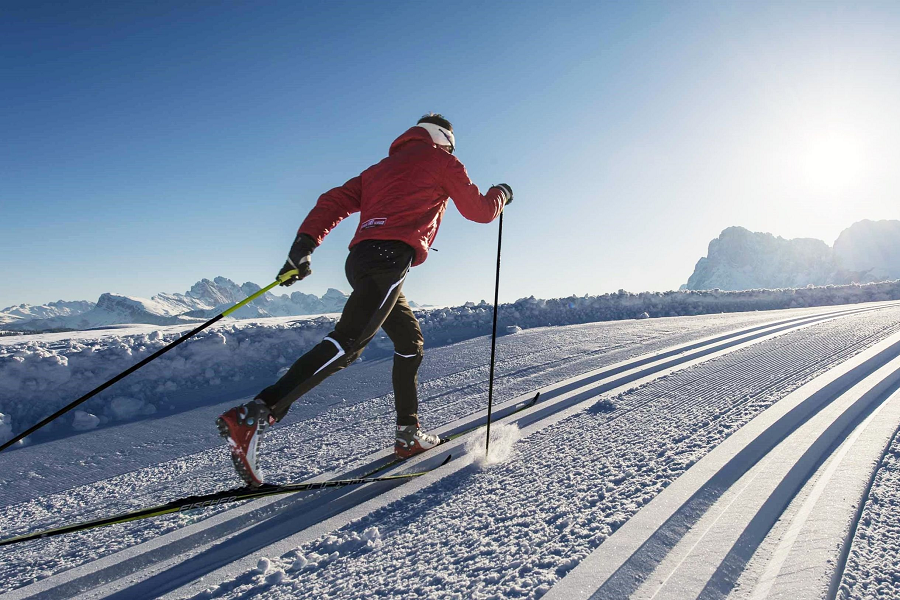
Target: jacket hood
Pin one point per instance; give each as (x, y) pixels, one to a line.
(411, 135)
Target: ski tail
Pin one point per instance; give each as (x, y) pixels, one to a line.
(214, 499)
(517, 409)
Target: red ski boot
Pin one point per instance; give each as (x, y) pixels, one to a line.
(411, 440)
(243, 428)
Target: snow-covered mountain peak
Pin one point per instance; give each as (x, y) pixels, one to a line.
(28, 312)
(334, 300)
(871, 248)
(129, 305)
(740, 259)
(213, 293)
(203, 300)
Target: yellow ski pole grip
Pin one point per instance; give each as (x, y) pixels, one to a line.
(285, 276)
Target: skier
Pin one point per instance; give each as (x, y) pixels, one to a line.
(401, 201)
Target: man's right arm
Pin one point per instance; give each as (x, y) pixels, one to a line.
(469, 201)
(332, 207)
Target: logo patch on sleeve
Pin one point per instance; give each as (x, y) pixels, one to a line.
(373, 223)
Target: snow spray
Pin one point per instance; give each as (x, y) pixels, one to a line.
(503, 440)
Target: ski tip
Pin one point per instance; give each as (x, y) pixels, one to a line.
(529, 403)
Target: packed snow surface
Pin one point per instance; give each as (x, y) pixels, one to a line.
(872, 570)
(509, 526)
(514, 530)
(42, 373)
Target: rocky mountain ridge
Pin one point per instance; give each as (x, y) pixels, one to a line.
(205, 299)
(739, 259)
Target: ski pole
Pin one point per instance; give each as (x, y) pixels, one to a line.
(154, 356)
(487, 443)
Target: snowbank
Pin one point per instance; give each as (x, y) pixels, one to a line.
(6, 431)
(41, 373)
(530, 312)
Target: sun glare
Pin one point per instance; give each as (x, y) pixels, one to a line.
(832, 162)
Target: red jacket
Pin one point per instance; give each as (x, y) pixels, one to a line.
(404, 196)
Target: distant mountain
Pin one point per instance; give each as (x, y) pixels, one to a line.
(740, 259)
(204, 300)
(871, 248)
(27, 312)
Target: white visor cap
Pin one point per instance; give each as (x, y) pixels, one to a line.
(439, 135)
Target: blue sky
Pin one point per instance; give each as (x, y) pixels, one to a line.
(149, 145)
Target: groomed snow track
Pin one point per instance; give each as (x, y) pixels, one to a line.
(815, 450)
(721, 509)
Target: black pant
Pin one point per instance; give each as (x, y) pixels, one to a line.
(376, 270)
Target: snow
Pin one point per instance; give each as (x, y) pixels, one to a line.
(554, 489)
(123, 408)
(799, 555)
(41, 373)
(27, 312)
(6, 429)
(503, 442)
(207, 299)
(84, 421)
(872, 570)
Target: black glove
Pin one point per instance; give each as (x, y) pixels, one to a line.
(298, 259)
(507, 191)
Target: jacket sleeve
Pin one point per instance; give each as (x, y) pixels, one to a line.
(469, 201)
(331, 208)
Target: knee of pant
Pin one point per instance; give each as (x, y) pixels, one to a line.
(415, 352)
(341, 341)
(340, 353)
(353, 356)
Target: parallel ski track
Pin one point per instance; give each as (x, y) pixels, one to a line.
(477, 373)
(285, 440)
(442, 410)
(879, 508)
(720, 374)
(598, 510)
(835, 357)
(803, 321)
(839, 342)
(705, 371)
(686, 544)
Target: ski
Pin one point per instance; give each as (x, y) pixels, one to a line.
(249, 493)
(396, 461)
(214, 499)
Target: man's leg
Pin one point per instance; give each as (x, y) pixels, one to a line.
(403, 328)
(376, 270)
(377, 277)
